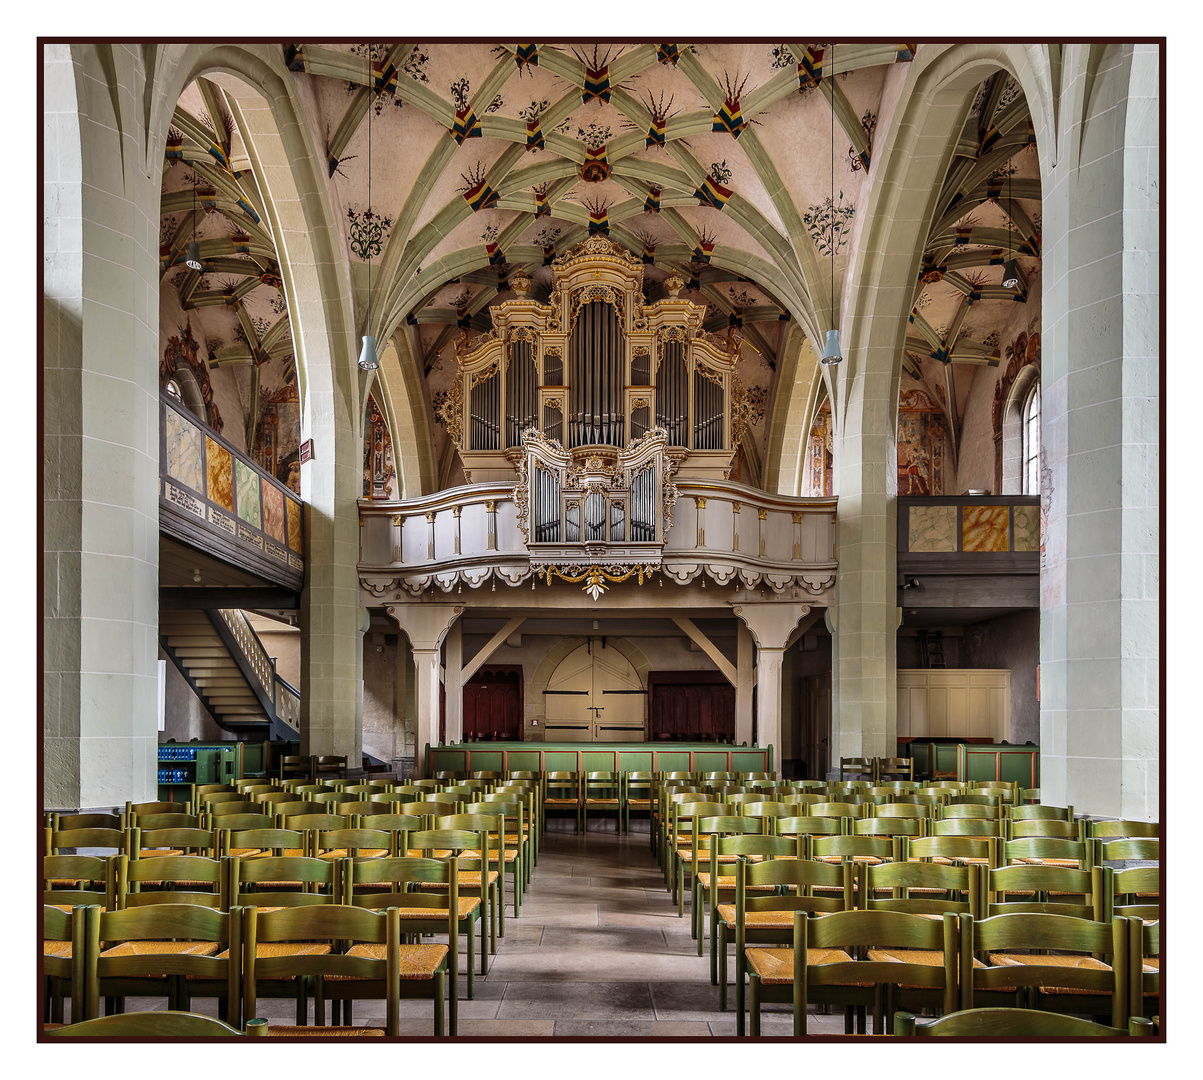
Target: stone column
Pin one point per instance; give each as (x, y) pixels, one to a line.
(745, 681)
(770, 624)
(426, 626)
(1101, 364)
(453, 683)
(100, 453)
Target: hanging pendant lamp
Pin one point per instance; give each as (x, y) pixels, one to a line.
(831, 350)
(1010, 278)
(368, 360)
(192, 258)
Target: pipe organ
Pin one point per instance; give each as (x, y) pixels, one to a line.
(594, 369)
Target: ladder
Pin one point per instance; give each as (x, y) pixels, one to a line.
(931, 645)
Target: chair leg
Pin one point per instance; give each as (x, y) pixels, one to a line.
(722, 967)
(754, 1002)
(440, 1001)
(740, 968)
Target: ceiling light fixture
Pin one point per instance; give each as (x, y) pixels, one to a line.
(192, 258)
(1010, 278)
(831, 350)
(196, 575)
(368, 360)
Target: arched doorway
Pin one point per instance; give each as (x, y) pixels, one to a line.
(595, 695)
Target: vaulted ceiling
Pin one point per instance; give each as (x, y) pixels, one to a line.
(743, 165)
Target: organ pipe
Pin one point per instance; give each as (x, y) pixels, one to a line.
(521, 392)
(486, 430)
(596, 368)
(708, 413)
(672, 390)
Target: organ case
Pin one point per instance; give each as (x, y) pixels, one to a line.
(591, 371)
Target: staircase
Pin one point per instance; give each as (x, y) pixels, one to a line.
(222, 660)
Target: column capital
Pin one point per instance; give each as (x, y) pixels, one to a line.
(424, 624)
(771, 623)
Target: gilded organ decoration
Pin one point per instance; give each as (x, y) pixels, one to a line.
(594, 369)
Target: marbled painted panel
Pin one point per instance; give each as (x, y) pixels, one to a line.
(1027, 527)
(248, 494)
(219, 469)
(185, 451)
(273, 513)
(294, 524)
(984, 528)
(932, 528)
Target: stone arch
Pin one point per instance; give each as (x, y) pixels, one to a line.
(297, 207)
(878, 294)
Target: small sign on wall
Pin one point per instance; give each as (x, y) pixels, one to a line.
(306, 451)
(162, 695)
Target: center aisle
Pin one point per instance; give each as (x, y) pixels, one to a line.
(599, 951)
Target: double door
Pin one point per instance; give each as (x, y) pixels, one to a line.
(595, 695)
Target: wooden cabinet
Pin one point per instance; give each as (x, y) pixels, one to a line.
(691, 705)
(954, 703)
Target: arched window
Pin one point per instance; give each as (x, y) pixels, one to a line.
(1031, 442)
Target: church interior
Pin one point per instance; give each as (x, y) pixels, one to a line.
(611, 427)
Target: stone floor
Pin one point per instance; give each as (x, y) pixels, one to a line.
(598, 951)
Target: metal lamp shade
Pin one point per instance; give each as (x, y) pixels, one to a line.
(831, 352)
(1010, 278)
(368, 360)
(192, 258)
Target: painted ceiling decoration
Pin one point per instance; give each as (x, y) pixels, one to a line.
(711, 161)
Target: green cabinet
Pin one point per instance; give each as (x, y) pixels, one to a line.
(183, 764)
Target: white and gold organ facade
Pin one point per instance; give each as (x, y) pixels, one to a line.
(598, 432)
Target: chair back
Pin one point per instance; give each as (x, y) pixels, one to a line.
(922, 888)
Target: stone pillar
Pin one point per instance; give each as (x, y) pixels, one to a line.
(1101, 364)
(426, 626)
(100, 453)
(453, 683)
(745, 681)
(770, 625)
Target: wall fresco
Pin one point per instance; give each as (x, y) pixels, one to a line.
(921, 436)
(293, 509)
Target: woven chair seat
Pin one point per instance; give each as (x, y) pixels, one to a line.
(639, 802)
(364, 853)
(468, 879)
(868, 860)
(776, 966)
(161, 948)
(63, 949)
(758, 920)
(156, 853)
(1073, 864)
(932, 958)
(560, 802)
(1053, 960)
(418, 962)
(467, 905)
(292, 1031)
(268, 949)
(61, 907)
(511, 855)
(436, 853)
(601, 802)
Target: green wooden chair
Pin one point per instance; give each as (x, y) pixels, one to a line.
(1144, 968)
(767, 896)
(1055, 963)
(1051, 890)
(340, 954)
(401, 883)
(1013, 1024)
(173, 952)
(154, 1024)
(637, 795)
(602, 792)
(62, 961)
(562, 791)
(858, 960)
(921, 888)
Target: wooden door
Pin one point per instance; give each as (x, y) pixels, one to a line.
(595, 695)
